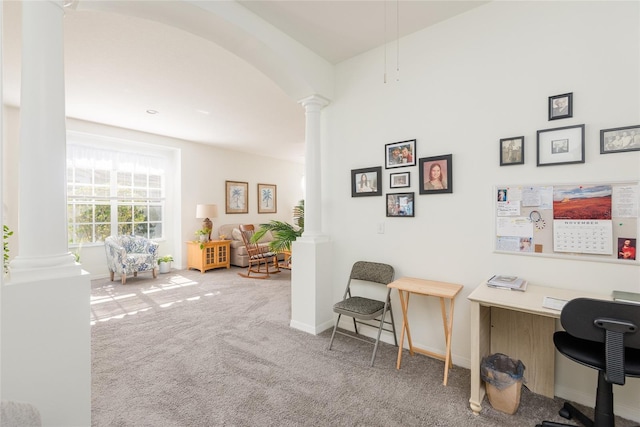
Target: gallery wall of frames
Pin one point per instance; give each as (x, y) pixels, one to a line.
(594, 221)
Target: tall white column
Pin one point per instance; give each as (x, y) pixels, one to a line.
(313, 106)
(46, 338)
(42, 228)
(311, 290)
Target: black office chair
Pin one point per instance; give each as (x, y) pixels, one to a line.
(602, 335)
(364, 310)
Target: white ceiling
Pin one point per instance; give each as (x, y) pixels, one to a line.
(119, 66)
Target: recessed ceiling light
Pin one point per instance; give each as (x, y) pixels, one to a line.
(152, 111)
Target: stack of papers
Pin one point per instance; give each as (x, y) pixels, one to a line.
(514, 283)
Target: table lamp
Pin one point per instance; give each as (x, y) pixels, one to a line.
(206, 212)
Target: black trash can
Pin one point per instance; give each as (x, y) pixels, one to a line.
(503, 377)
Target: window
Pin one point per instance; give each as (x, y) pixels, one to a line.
(112, 191)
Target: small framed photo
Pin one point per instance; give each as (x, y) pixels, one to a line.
(626, 248)
(561, 146)
(512, 151)
(399, 180)
(400, 204)
(561, 106)
(436, 174)
(400, 154)
(366, 182)
(618, 140)
(237, 197)
(267, 198)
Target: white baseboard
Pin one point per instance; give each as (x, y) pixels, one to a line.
(311, 329)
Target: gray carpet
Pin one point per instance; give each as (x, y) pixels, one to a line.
(216, 349)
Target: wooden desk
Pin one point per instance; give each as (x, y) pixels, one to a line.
(516, 324)
(442, 290)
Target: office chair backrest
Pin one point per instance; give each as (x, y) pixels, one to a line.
(613, 323)
(578, 318)
(372, 272)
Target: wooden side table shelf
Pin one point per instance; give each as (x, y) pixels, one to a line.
(214, 254)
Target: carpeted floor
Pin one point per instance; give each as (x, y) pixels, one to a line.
(216, 349)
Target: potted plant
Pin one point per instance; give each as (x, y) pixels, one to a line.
(6, 234)
(283, 232)
(164, 263)
(203, 236)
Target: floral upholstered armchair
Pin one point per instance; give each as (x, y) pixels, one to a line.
(131, 254)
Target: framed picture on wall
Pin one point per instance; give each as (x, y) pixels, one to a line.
(399, 180)
(400, 154)
(400, 204)
(618, 140)
(366, 182)
(236, 197)
(267, 198)
(561, 106)
(436, 174)
(561, 146)
(512, 151)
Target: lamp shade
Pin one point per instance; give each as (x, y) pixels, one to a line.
(206, 211)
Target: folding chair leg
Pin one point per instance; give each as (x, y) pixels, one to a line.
(393, 325)
(355, 325)
(375, 347)
(334, 331)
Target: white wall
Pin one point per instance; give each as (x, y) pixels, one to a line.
(463, 85)
(199, 177)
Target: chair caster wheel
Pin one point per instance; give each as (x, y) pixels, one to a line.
(564, 413)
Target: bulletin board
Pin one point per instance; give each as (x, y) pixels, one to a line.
(585, 221)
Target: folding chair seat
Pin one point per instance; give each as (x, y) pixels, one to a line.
(363, 309)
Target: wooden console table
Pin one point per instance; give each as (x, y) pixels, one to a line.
(516, 324)
(214, 254)
(442, 290)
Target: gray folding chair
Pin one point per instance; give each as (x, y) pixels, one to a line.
(363, 310)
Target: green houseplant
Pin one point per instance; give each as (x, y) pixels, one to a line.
(283, 232)
(166, 258)
(5, 235)
(203, 235)
(164, 263)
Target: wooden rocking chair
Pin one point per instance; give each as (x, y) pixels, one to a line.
(259, 256)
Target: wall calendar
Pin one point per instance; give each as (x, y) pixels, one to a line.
(586, 221)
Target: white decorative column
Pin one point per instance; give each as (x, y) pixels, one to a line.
(311, 289)
(46, 337)
(42, 229)
(313, 106)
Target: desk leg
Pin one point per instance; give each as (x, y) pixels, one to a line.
(448, 328)
(480, 347)
(404, 304)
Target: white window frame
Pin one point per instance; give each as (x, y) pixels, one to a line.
(92, 152)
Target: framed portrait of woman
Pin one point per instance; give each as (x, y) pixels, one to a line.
(436, 174)
(366, 182)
